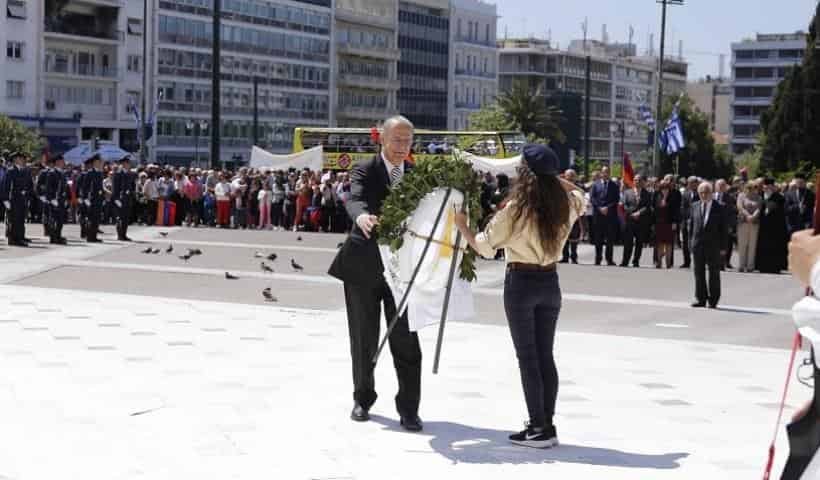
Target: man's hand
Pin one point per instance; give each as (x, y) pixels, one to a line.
(54, 203)
(118, 203)
(636, 216)
(804, 252)
(674, 227)
(7, 204)
(87, 202)
(603, 210)
(366, 222)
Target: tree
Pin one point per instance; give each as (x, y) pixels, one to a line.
(791, 125)
(490, 119)
(527, 110)
(699, 157)
(14, 136)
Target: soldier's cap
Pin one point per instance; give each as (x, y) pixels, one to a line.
(540, 159)
(126, 159)
(57, 158)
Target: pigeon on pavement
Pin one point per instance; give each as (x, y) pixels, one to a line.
(299, 238)
(156, 251)
(195, 251)
(185, 257)
(296, 266)
(266, 268)
(268, 295)
(164, 234)
(228, 276)
(272, 257)
(169, 249)
(147, 250)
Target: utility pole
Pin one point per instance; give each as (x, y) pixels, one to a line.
(255, 110)
(216, 91)
(587, 114)
(658, 124)
(141, 128)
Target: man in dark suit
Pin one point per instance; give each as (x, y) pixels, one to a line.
(637, 212)
(689, 197)
(708, 236)
(799, 206)
(359, 265)
(17, 189)
(122, 192)
(605, 196)
(93, 198)
(57, 200)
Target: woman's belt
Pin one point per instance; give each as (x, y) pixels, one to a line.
(530, 267)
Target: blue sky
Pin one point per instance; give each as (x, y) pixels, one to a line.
(707, 27)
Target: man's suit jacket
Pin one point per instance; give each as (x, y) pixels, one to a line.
(687, 199)
(711, 238)
(796, 218)
(123, 187)
(634, 203)
(358, 261)
(57, 188)
(605, 194)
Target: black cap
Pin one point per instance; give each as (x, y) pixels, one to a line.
(126, 158)
(57, 158)
(540, 159)
(90, 159)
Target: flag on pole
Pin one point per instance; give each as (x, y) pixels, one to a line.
(135, 110)
(628, 172)
(672, 140)
(646, 115)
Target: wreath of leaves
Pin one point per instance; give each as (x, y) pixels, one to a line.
(426, 175)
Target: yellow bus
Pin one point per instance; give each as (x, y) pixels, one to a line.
(343, 147)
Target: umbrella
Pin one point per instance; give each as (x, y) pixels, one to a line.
(108, 153)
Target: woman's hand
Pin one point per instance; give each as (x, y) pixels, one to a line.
(462, 221)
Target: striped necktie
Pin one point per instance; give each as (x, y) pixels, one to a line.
(395, 176)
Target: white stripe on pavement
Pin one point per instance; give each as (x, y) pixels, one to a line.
(671, 325)
(327, 280)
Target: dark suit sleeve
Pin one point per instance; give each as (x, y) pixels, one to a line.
(116, 186)
(357, 204)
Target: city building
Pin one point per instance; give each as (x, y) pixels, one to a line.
(712, 97)
(283, 45)
(758, 65)
(366, 58)
(424, 34)
(620, 84)
(71, 67)
(473, 76)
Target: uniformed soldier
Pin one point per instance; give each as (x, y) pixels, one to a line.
(80, 192)
(93, 198)
(122, 194)
(16, 190)
(3, 156)
(57, 199)
(40, 190)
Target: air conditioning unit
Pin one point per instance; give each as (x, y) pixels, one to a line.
(78, 116)
(50, 105)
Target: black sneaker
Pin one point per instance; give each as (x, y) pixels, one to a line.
(547, 438)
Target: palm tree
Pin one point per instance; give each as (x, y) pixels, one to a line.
(527, 109)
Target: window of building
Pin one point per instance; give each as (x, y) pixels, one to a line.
(458, 28)
(134, 26)
(14, 89)
(14, 50)
(16, 9)
(135, 63)
(487, 33)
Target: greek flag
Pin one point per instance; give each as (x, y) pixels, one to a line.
(671, 138)
(153, 118)
(135, 110)
(646, 115)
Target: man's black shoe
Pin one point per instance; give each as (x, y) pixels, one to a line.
(94, 240)
(713, 305)
(124, 239)
(610, 264)
(636, 265)
(411, 424)
(359, 414)
(564, 260)
(575, 261)
(685, 265)
(698, 304)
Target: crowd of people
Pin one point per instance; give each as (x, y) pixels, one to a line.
(647, 212)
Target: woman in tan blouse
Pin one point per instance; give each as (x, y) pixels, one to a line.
(532, 228)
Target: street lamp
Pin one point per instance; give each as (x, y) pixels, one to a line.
(622, 128)
(197, 127)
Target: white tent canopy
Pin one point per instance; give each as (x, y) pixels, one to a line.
(507, 166)
(311, 158)
(108, 152)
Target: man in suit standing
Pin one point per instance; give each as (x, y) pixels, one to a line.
(689, 197)
(605, 196)
(93, 198)
(727, 200)
(358, 264)
(637, 211)
(799, 206)
(708, 236)
(57, 200)
(122, 193)
(17, 189)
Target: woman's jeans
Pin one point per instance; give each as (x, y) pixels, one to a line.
(532, 301)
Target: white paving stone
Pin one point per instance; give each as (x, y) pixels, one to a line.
(105, 386)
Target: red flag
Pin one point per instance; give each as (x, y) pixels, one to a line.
(628, 173)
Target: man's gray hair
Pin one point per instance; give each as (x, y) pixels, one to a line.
(706, 187)
(395, 121)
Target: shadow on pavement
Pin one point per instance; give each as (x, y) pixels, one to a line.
(465, 444)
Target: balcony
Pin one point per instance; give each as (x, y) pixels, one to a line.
(474, 41)
(66, 31)
(367, 81)
(746, 119)
(365, 113)
(383, 19)
(85, 71)
(475, 73)
(752, 101)
(749, 82)
(468, 105)
(382, 53)
(765, 62)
